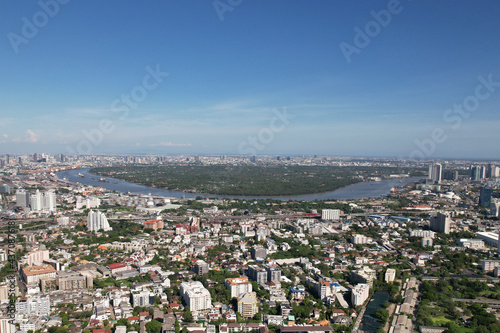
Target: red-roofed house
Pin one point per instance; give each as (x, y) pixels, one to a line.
(153, 224)
(118, 267)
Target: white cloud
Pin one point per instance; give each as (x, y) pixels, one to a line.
(32, 137)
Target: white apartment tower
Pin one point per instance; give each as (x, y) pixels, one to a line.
(435, 172)
(96, 221)
(330, 214)
(45, 201)
(196, 296)
(360, 293)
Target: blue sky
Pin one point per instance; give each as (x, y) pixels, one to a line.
(228, 78)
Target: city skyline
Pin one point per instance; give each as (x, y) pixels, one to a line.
(335, 79)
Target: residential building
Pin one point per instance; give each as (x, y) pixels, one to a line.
(258, 274)
(359, 294)
(259, 252)
(35, 256)
(45, 201)
(330, 214)
(435, 172)
(390, 275)
(22, 198)
(7, 325)
(441, 223)
(96, 221)
(142, 298)
(238, 286)
(489, 265)
(154, 224)
(360, 239)
(195, 295)
(33, 274)
(201, 267)
(34, 305)
(471, 243)
(248, 305)
(273, 273)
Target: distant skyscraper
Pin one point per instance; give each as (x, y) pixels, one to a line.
(441, 223)
(435, 172)
(482, 172)
(450, 174)
(45, 201)
(475, 172)
(22, 198)
(96, 221)
(485, 196)
(7, 159)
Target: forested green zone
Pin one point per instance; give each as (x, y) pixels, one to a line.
(246, 180)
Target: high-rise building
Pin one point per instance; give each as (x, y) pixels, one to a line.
(248, 305)
(435, 172)
(495, 171)
(258, 274)
(273, 273)
(34, 305)
(238, 286)
(259, 252)
(330, 214)
(195, 295)
(494, 209)
(475, 172)
(142, 298)
(450, 174)
(45, 201)
(96, 221)
(4, 188)
(7, 325)
(360, 293)
(482, 172)
(22, 198)
(441, 223)
(201, 267)
(485, 196)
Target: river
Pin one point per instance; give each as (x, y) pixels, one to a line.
(355, 191)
